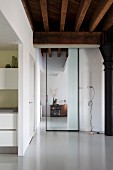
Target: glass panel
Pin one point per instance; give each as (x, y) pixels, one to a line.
(73, 89)
(62, 91)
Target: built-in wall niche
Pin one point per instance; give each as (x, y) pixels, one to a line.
(8, 69)
(8, 98)
(9, 58)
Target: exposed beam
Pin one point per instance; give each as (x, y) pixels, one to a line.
(67, 53)
(28, 12)
(63, 18)
(59, 52)
(84, 5)
(43, 4)
(99, 13)
(49, 52)
(63, 14)
(54, 38)
(108, 22)
(44, 50)
(42, 53)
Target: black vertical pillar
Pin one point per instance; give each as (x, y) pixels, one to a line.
(107, 52)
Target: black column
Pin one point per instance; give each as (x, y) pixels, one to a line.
(107, 53)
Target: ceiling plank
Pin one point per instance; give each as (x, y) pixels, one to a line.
(43, 5)
(55, 38)
(101, 10)
(63, 14)
(28, 12)
(84, 5)
(108, 22)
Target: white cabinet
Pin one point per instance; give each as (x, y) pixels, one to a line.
(8, 138)
(8, 78)
(8, 121)
(8, 129)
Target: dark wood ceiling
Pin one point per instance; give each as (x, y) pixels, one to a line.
(69, 16)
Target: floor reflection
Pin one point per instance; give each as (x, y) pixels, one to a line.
(64, 151)
(57, 123)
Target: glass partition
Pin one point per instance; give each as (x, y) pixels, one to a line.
(62, 91)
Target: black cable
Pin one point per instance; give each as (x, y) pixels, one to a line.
(90, 103)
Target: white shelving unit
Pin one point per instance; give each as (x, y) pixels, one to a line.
(8, 78)
(8, 119)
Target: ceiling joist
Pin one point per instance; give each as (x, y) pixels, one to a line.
(59, 52)
(28, 12)
(44, 50)
(43, 5)
(49, 52)
(108, 22)
(55, 38)
(92, 12)
(84, 5)
(63, 19)
(101, 10)
(63, 14)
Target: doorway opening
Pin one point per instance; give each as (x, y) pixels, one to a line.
(58, 89)
(60, 107)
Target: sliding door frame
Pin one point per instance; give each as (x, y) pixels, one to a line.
(47, 100)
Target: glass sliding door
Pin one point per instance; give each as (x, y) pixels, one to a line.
(73, 83)
(62, 91)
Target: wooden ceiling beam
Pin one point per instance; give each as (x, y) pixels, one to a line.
(63, 19)
(49, 52)
(67, 53)
(44, 50)
(108, 22)
(84, 5)
(99, 13)
(63, 14)
(43, 5)
(28, 12)
(59, 52)
(55, 38)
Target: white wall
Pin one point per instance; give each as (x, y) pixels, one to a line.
(56, 64)
(17, 19)
(91, 74)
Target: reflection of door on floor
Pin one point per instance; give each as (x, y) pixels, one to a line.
(31, 98)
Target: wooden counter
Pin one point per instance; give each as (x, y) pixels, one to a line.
(58, 110)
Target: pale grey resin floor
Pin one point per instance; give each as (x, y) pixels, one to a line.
(63, 151)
